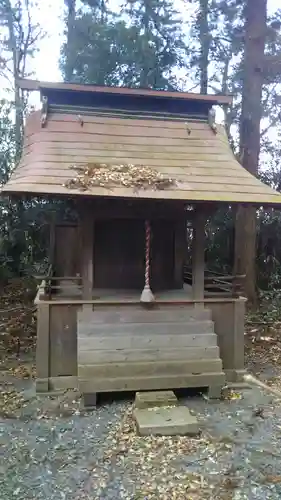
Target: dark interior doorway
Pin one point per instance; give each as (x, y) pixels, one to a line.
(120, 251)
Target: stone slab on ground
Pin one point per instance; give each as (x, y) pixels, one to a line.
(154, 399)
(170, 421)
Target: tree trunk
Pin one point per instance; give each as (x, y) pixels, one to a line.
(71, 12)
(204, 45)
(18, 102)
(144, 74)
(245, 238)
(19, 120)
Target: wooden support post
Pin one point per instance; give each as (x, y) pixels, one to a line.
(87, 251)
(52, 244)
(238, 340)
(198, 251)
(52, 238)
(179, 251)
(42, 348)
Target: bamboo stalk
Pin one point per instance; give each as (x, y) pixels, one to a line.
(254, 381)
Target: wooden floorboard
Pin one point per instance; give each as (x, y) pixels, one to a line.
(183, 328)
(139, 369)
(132, 355)
(146, 341)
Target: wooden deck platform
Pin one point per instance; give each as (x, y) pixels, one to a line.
(71, 290)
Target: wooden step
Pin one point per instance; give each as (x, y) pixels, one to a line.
(194, 327)
(151, 383)
(145, 341)
(132, 355)
(154, 368)
(132, 315)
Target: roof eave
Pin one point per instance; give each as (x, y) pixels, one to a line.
(6, 191)
(36, 85)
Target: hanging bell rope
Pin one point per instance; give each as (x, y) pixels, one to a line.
(147, 295)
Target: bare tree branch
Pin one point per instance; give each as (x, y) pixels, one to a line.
(23, 35)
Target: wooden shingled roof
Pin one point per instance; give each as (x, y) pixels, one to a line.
(199, 161)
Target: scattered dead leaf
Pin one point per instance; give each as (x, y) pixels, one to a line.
(10, 403)
(24, 371)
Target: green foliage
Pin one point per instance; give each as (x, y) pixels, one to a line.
(269, 310)
(7, 141)
(23, 223)
(220, 237)
(140, 47)
(99, 51)
(159, 46)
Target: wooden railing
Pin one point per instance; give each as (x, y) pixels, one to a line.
(44, 284)
(218, 285)
(215, 285)
(51, 286)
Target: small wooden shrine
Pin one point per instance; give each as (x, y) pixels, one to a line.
(118, 310)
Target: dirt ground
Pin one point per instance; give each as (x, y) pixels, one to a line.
(52, 449)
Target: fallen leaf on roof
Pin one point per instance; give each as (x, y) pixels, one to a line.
(126, 175)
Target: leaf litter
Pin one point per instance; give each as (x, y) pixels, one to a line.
(225, 462)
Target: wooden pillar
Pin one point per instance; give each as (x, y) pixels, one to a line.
(43, 347)
(179, 251)
(52, 238)
(198, 254)
(87, 251)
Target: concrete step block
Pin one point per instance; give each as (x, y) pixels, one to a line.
(154, 399)
(166, 422)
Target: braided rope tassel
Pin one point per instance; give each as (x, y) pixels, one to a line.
(147, 295)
